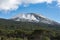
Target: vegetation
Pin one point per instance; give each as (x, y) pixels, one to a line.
(12, 30)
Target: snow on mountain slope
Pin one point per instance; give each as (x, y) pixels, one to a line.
(20, 17)
(31, 17)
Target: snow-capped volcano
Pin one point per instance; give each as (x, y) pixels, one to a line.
(31, 17)
(22, 17)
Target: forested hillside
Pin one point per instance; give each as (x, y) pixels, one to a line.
(14, 30)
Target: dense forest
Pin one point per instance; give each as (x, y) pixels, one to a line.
(14, 30)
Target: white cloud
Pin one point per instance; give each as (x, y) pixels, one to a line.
(9, 4)
(37, 1)
(58, 3)
(14, 4)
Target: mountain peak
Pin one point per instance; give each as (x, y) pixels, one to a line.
(28, 16)
(32, 17)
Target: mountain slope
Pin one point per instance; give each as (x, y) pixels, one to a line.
(29, 22)
(32, 17)
(10, 29)
(28, 28)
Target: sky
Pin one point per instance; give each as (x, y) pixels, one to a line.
(47, 8)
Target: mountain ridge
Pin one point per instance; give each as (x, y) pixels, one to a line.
(33, 17)
(28, 24)
(10, 28)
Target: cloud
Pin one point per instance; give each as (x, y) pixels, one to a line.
(9, 4)
(58, 3)
(14, 4)
(36, 1)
